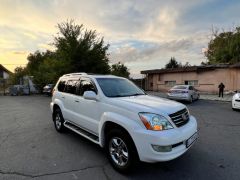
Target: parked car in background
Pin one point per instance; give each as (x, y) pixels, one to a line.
(114, 113)
(48, 89)
(183, 92)
(16, 90)
(236, 101)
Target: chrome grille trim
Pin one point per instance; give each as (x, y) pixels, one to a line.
(177, 117)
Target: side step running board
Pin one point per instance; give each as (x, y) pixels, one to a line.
(82, 132)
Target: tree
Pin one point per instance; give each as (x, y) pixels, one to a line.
(120, 69)
(172, 63)
(187, 64)
(224, 47)
(17, 76)
(82, 49)
(77, 50)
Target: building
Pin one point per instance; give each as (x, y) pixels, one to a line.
(204, 78)
(4, 73)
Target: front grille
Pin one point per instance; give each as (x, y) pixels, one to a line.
(180, 118)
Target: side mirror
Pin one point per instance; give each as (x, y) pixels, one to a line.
(90, 95)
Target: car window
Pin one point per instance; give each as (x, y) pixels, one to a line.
(61, 86)
(116, 87)
(71, 87)
(85, 85)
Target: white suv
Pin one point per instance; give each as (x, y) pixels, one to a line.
(113, 112)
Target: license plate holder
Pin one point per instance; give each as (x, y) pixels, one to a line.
(191, 140)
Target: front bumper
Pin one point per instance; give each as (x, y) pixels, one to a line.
(144, 139)
(184, 97)
(236, 103)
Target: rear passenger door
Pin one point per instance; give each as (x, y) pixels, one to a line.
(69, 95)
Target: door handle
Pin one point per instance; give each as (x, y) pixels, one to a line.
(77, 101)
(63, 97)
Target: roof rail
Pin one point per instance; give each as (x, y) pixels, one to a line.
(75, 74)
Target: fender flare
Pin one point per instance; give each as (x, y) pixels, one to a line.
(126, 123)
(59, 104)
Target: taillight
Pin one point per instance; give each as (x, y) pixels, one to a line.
(53, 91)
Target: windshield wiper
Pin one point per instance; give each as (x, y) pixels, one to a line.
(118, 96)
(137, 94)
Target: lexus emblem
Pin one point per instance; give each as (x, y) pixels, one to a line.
(184, 117)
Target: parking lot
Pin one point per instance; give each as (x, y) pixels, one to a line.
(30, 148)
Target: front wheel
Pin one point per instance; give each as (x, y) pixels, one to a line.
(121, 150)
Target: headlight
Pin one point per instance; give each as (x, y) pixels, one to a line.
(155, 122)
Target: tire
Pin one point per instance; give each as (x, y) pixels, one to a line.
(121, 150)
(191, 99)
(198, 97)
(234, 109)
(58, 120)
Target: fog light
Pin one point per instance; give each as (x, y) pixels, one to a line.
(162, 148)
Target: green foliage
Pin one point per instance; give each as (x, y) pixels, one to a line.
(82, 49)
(224, 47)
(17, 76)
(120, 69)
(172, 63)
(77, 50)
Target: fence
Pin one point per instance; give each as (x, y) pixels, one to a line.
(7, 88)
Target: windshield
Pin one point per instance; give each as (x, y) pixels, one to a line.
(180, 87)
(116, 87)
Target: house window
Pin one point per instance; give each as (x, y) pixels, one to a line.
(191, 82)
(1, 74)
(170, 83)
(159, 77)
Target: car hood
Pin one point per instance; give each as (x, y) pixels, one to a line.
(146, 103)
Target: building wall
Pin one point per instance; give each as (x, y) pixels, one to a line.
(208, 81)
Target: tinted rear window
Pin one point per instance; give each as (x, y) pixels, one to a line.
(180, 87)
(61, 86)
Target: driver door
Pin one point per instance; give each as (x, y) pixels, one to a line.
(87, 112)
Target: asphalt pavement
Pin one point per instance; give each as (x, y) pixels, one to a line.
(30, 148)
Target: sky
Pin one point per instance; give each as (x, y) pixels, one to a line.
(143, 34)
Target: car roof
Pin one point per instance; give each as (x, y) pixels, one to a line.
(182, 85)
(79, 75)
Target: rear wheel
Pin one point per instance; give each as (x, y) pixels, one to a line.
(58, 120)
(198, 96)
(121, 150)
(191, 99)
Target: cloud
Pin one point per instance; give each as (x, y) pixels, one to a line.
(143, 34)
(20, 52)
(44, 47)
(149, 51)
